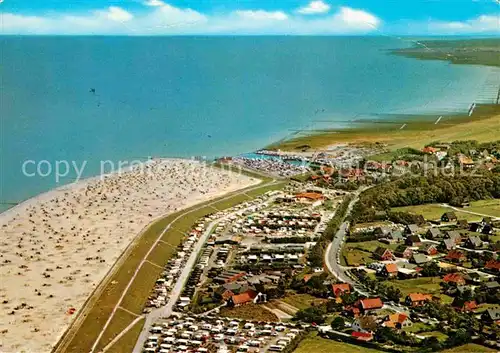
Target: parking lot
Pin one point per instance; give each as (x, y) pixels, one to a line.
(213, 334)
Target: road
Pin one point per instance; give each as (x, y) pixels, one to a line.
(332, 260)
(334, 249)
(167, 310)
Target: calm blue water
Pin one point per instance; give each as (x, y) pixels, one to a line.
(189, 96)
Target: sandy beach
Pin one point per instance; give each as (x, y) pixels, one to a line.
(57, 247)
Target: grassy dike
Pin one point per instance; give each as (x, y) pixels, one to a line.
(483, 126)
(87, 326)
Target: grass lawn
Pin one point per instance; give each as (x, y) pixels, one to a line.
(483, 125)
(356, 254)
(355, 257)
(119, 322)
(81, 336)
(439, 335)
(469, 348)
(301, 301)
(426, 285)
(416, 327)
(126, 343)
(371, 245)
(315, 344)
(249, 312)
(489, 207)
(435, 211)
(360, 226)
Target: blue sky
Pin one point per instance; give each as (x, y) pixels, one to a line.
(158, 17)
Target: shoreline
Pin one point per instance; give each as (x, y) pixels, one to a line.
(413, 132)
(86, 227)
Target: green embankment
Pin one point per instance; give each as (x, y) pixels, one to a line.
(81, 337)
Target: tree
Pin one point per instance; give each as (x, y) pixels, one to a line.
(432, 343)
(430, 269)
(338, 323)
(310, 315)
(393, 294)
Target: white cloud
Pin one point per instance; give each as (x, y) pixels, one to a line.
(314, 7)
(357, 18)
(117, 14)
(481, 24)
(154, 3)
(160, 18)
(261, 15)
(484, 24)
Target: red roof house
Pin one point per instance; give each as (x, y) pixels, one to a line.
(243, 298)
(455, 278)
(341, 288)
(417, 299)
(455, 256)
(370, 304)
(493, 265)
(362, 336)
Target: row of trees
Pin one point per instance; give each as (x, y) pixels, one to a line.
(316, 255)
(411, 190)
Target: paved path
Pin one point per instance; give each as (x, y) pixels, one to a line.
(167, 310)
(470, 212)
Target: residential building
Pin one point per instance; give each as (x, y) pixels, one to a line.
(433, 233)
(417, 299)
(493, 265)
(428, 249)
(413, 240)
(340, 289)
(403, 251)
(383, 254)
(364, 324)
(419, 259)
(411, 229)
(397, 321)
(244, 298)
(448, 244)
(449, 217)
(464, 305)
(455, 256)
(473, 242)
(453, 235)
(369, 304)
(491, 316)
(454, 278)
(389, 270)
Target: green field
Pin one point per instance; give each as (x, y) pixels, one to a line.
(127, 342)
(488, 207)
(361, 253)
(301, 301)
(439, 335)
(435, 211)
(360, 226)
(83, 334)
(483, 126)
(426, 285)
(316, 344)
(355, 257)
(469, 348)
(249, 312)
(417, 327)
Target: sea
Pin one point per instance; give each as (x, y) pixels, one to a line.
(119, 99)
